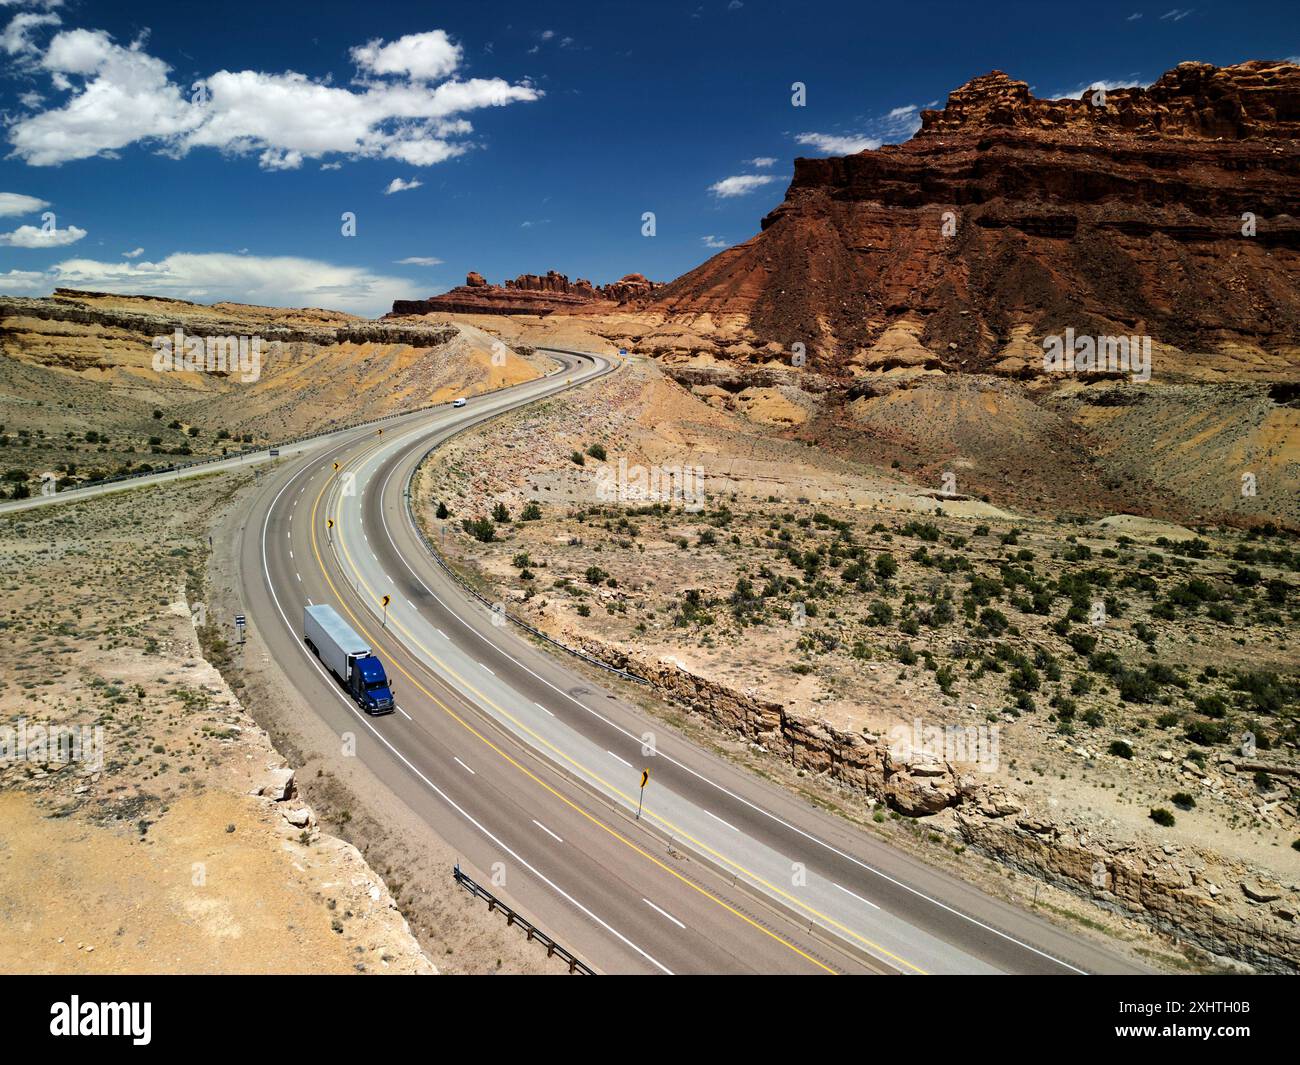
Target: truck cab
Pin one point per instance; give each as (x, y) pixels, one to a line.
(369, 685)
(459, 402)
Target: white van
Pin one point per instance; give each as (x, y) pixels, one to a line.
(459, 403)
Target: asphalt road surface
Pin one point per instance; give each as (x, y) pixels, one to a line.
(532, 771)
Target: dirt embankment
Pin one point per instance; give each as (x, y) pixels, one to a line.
(171, 836)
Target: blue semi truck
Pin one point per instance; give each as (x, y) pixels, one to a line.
(349, 658)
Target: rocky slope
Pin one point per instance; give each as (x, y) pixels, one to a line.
(1169, 211)
(526, 294)
(82, 390)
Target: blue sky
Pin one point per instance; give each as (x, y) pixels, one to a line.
(538, 133)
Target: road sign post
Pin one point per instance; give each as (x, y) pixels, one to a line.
(645, 779)
(239, 624)
(329, 526)
(386, 602)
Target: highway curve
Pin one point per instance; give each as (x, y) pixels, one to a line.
(530, 771)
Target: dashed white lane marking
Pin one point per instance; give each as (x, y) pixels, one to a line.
(623, 760)
(856, 896)
(664, 913)
(547, 831)
(465, 767)
(404, 713)
(442, 634)
(291, 553)
(542, 709)
(299, 576)
(721, 821)
(485, 668)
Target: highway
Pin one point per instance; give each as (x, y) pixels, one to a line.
(531, 770)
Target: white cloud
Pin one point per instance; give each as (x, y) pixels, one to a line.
(428, 56)
(1093, 86)
(538, 222)
(133, 254)
(331, 166)
(714, 242)
(276, 281)
(25, 281)
(1134, 17)
(15, 203)
(740, 184)
(398, 185)
(39, 237)
(1177, 14)
(838, 144)
(763, 161)
(16, 39)
(121, 95)
(419, 260)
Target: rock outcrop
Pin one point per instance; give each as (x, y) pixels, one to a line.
(527, 294)
(1171, 211)
(1229, 909)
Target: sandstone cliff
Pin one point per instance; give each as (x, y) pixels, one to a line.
(527, 294)
(1169, 211)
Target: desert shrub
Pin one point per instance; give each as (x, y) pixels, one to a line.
(1183, 800)
(1162, 817)
(1120, 749)
(480, 528)
(1207, 733)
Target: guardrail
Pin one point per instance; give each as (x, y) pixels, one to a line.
(465, 586)
(553, 949)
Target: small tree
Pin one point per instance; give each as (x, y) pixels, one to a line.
(443, 512)
(500, 514)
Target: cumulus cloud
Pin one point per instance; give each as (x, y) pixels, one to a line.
(15, 203)
(837, 143)
(117, 95)
(40, 237)
(276, 281)
(740, 185)
(763, 161)
(133, 254)
(419, 260)
(714, 242)
(398, 185)
(428, 56)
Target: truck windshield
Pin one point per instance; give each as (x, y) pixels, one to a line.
(374, 685)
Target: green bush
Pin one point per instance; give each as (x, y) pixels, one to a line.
(1120, 749)
(1162, 817)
